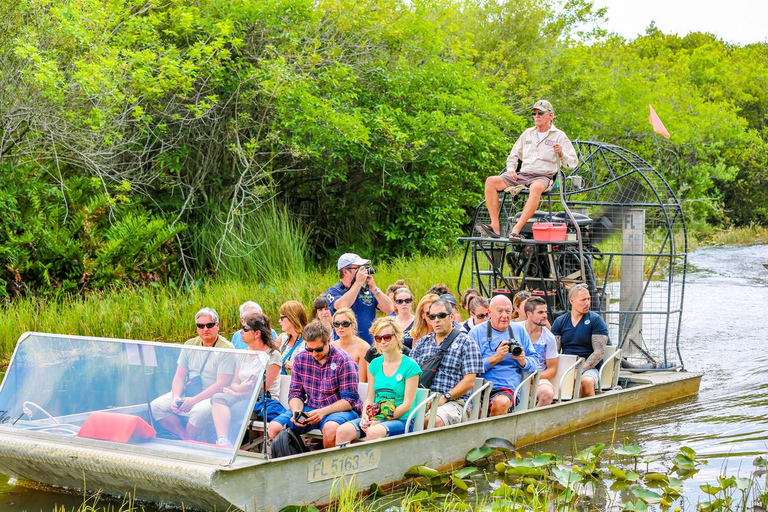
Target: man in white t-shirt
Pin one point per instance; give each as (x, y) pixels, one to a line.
(546, 347)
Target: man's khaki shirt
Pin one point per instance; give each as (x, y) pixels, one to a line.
(538, 156)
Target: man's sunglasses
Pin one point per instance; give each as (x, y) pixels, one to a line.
(481, 316)
(342, 324)
(318, 349)
(403, 301)
(384, 337)
(209, 325)
(537, 113)
(438, 315)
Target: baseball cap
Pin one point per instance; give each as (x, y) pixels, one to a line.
(449, 298)
(351, 258)
(544, 106)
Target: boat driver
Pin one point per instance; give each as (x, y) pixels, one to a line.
(507, 352)
(583, 333)
(214, 369)
(543, 149)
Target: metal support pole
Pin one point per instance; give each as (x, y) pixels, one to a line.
(632, 242)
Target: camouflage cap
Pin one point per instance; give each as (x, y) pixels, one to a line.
(544, 106)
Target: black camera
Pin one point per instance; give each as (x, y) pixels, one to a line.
(514, 348)
(371, 270)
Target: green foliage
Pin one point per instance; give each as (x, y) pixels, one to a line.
(89, 238)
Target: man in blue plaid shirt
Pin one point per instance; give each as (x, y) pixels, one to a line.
(460, 365)
(323, 391)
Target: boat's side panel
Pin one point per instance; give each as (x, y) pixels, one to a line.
(308, 478)
(76, 467)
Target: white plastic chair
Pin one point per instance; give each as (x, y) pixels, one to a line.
(525, 392)
(567, 380)
(476, 405)
(609, 373)
(423, 397)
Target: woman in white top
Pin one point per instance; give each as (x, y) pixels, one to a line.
(249, 371)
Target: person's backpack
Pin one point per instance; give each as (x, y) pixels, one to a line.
(287, 442)
(432, 365)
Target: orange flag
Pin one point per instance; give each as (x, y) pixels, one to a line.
(658, 126)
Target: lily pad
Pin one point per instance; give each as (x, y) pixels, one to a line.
(656, 477)
(710, 489)
(688, 452)
(743, 484)
(465, 472)
(647, 496)
(481, 452)
(459, 483)
(499, 443)
(617, 472)
(628, 450)
(417, 471)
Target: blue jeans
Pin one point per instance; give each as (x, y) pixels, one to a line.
(393, 427)
(336, 417)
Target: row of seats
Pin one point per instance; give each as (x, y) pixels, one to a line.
(569, 370)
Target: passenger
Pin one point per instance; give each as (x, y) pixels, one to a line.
(478, 313)
(233, 400)
(199, 376)
(293, 318)
(391, 289)
(392, 382)
(246, 308)
(518, 305)
(345, 325)
(467, 296)
(546, 348)
(439, 289)
(543, 149)
(356, 289)
(442, 289)
(583, 333)
(460, 365)
(421, 325)
(320, 311)
(498, 339)
(323, 388)
(403, 299)
(450, 299)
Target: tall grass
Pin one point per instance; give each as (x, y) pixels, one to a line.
(166, 312)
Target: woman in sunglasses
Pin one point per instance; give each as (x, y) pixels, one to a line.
(403, 299)
(293, 319)
(478, 313)
(345, 325)
(233, 400)
(392, 382)
(421, 326)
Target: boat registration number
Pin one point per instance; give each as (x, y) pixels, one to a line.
(343, 464)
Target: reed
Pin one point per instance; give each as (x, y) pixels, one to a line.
(165, 312)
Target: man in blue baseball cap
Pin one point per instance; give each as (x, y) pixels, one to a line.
(356, 289)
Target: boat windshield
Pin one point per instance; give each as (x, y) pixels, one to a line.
(117, 395)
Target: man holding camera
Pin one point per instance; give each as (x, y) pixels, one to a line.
(357, 290)
(323, 391)
(507, 352)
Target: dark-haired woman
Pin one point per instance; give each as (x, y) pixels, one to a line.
(250, 367)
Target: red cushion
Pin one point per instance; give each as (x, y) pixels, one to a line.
(112, 426)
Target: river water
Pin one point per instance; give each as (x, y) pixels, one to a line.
(723, 337)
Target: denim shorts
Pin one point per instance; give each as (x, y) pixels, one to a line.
(593, 374)
(393, 427)
(336, 417)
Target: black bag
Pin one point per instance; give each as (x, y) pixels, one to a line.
(194, 386)
(432, 365)
(288, 442)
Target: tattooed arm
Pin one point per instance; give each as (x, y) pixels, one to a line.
(598, 350)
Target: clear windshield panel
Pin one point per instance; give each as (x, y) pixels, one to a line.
(169, 400)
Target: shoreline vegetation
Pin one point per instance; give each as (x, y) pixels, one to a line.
(164, 312)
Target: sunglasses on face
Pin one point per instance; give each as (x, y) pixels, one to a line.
(384, 337)
(283, 317)
(438, 315)
(523, 295)
(403, 301)
(481, 316)
(342, 324)
(209, 325)
(246, 329)
(318, 349)
(537, 113)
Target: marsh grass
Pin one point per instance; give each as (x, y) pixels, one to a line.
(166, 312)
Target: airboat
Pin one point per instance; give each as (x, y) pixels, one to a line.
(74, 411)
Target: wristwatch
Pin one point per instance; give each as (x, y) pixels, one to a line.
(447, 396)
